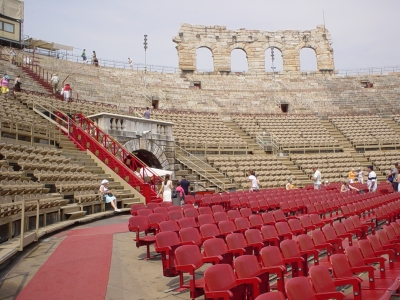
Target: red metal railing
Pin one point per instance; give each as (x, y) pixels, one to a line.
(130, 168)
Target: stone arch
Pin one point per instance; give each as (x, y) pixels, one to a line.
(307, 59)
(150, 146)
(279, 59)
(204, 57)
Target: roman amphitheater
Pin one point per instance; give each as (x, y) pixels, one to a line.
(59, 240)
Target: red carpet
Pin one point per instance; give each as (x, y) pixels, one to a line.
(78, 268)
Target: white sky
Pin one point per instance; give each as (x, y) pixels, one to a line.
(364, 33)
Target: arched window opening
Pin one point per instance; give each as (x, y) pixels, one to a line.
(273, 60)
(308, 60)
(239, 61)
(204, 60)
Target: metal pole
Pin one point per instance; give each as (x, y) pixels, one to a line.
(145, 58)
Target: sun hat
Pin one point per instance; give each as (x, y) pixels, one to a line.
(104, 181)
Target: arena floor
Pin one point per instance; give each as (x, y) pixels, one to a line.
(56, 268)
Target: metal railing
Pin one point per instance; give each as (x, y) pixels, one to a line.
(195, 161)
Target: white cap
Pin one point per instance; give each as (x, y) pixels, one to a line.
(104, 181)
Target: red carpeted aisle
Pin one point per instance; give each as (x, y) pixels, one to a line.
(78, 268)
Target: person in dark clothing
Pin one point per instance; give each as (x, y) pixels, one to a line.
(185, 185)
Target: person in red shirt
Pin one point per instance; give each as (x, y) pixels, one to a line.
(67, 92)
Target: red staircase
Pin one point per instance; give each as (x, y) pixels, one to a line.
(87, 136)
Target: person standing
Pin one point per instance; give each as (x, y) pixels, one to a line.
(54, 82)
(130, 62)
(253, 181)
(67, 92)
(372, 182)
(316, 178)
(94, 57)
(393, 177)
(146, 114)
(352, 175)
(17, 84)
(360, 175)
(4, 85)
(185, 185)
(166, 189)
(84, 58)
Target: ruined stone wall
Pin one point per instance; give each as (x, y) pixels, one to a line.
(221, 42)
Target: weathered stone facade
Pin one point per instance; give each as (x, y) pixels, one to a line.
(254, 43)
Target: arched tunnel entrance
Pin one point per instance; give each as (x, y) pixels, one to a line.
(148, 158)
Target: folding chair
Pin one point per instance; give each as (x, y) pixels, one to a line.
(140, 224)
(166, 243)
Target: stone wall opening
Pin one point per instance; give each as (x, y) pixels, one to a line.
(308, 60)
(148, 158)
(204, 60)
(239, 61)
(277, 57)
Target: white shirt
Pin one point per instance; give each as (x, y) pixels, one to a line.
(317, 176)
(372, 176)
(254, 184)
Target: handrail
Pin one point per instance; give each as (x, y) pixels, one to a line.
(148, 179)
(89, 137)
(206, 174)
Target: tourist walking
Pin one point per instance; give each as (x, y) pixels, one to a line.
(352, 175)
(316, 178)
(393, 177)
(54, 82)
(372, 182)
(130, 62)
(17, 84)
(146, 113)
(254, 182)
(166, 188)
(360, 175)
(107, 195)
(94, 57)
(84, 57)
(4, 85)
(185, 185)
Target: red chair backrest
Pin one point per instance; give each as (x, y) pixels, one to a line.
(253, 236)
(294, 224)
(233, 214)
(156, 218)
(214, 247)
(299, 288)
(152, 205)
(187, 222)
(269, 231)
(206, 219)
(355, 257)
(375, 242)
(279, 215)
(175, 215)
(188, 255)
(246, 266)
(268, 218)
(318, 237)
(170, 225)
(236, 241)
(348, 224)
(341, 267)
(167, 238)
(305, 242)
(282, 228)
(136, 207)
(205, 210)
(144, 212)
(191, 212)
(271, 256)
(256, 220)
(242, 223)
(219, 277)
(339, 228)
(321, 279)
(306, 221)
(138, 223)
(217, 208)
(366, 249)
(161, 210)
(173, 207)
(220, 216)
(227, 226)
(329, 232)
(190, 235)
(271, 296)
(290, 249)
(246, 212)
(209, 230)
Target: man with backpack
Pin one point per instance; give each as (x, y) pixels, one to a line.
(392, 178)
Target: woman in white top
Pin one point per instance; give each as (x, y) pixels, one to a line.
(107, 195)
(372, 183)
(166, 189)
(254, 182)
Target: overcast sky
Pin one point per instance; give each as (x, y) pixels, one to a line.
(364, 33)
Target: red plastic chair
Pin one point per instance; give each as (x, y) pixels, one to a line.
(187, 205)
(263, 205)
(209, 231)
(342, 269)
(135, 207)
(166, 243)
(391, 234)
(234, 203)
(331, 235)
(323, 283)
(190, 236)
(227, 227)
(206, 210)
(270, 235)
(307, 245)
(246, 212)
(189, 199)
(140, 224)
(220, 283)
(233, 214)
(295, 227)
(290, 249)
(377, 245)
(299, 288)
(188, 259)
(242, 224)
(220, 216)
(341, 231)
(187, 222)
(191, 212)
(386, 243)
(166, 204)
(152, 205)
(175, 215)
(217, 249)
(271, 296)
(161, 210)
(363, 226)
(247, 266)
(320, 239)
(368, 252)
(173, 207)
(348, 224)
(268, 218)
(256, 221)
(255, 240)
(306, 223)
(144, 212)
(155, 219)
(384, 277)
(217, 208)
(283, 230)
(206, 219)
(170, 225)
(318, 222)
(237, 244)
(254, 206)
